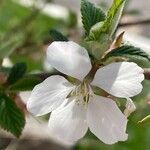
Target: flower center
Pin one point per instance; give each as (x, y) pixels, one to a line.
(83, 93)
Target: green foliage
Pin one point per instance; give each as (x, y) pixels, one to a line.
(20, 18)
(5, 70)
(106, 29)
(23, 33)
(90, 15)
(11, 117)
(57, 36)
(72, 20)
(128, 51)
(25, 84)
(17, 72)
(145, 120)
(8, 47)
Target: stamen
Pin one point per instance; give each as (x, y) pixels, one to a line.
(82, 93)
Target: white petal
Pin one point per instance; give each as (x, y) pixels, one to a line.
(69, 58)
(130, 107)
(25, 96)
(120, 79)
(106, 120)
(67, 123)
(48, 95)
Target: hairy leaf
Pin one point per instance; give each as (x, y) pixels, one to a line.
(129, 52)
(57, 36)
(90, 15)
(107, 28)
(17, 72)
(11, 117)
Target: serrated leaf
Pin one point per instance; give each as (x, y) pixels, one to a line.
(25, 84)
(127, 51)
(17, 72)
(90, 15)
(11, 117)
(107, 28)
(57, 36)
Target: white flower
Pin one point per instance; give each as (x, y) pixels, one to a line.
(75, 108)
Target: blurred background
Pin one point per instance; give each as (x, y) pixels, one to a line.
(24, 37)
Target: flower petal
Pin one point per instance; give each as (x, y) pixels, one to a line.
(67, 123)
(120, 79)
(130, 107)
(48, 95)
(69, 58)
(25, 96)
(106, 120)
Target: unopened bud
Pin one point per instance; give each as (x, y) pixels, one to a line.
(130, 107)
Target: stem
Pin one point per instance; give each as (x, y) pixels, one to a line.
(92, 72)
(45, 75)
(90, 75)
(140, 22)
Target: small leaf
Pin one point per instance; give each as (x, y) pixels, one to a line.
(11, 117)
(90, 15)
(128, 52)
(145, 120)
(57, 36)
(25, 84)
(107, 28)
(17, 72)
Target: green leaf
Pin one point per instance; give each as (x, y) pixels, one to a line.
(107, 28)
(127, 51)
(57, 36)
(11, 117)
(90, 15)
(17, 72)
(5, 69)
(25, 84)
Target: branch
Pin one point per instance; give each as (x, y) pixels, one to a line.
(29, 143)
(22, 25)
(43, 76)
(140, 22)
